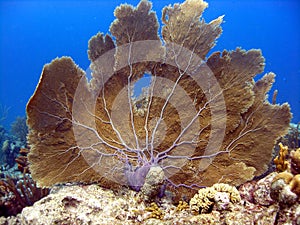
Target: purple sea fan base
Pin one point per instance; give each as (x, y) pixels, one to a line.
(136, 178)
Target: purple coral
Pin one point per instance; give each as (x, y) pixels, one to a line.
(136, 178)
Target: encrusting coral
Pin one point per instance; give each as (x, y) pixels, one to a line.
(201, 122)
(295, 184)
(295, 161)
(283, 187)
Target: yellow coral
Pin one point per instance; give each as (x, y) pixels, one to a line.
(204, 200)
(156, 212)
(233, 192)
(201, 203)
(280, 161)
(286, 176)
(295, 184)
(182, 205)
(293, 181)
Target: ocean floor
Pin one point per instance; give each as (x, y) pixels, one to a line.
(91, 204)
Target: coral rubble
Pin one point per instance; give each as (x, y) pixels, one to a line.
(201, 120)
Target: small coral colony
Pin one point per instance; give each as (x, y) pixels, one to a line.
(202, 127)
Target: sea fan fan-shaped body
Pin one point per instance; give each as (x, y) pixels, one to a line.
(201, 120)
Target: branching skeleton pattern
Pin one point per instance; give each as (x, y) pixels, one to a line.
(201, 120)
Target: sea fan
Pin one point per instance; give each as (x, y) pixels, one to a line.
(200, 121)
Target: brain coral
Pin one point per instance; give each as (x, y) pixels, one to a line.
(203, 201)
(201, 120)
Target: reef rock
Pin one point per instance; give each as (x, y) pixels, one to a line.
(85, 205)
(91, 204)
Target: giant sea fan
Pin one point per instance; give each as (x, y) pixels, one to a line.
(201, 121)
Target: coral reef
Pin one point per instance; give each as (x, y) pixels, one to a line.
(11, 143)
(292, 138)
(91, 204)
(285, 186)
(22, 160)
(19, 129)
(201, 122)
(15, 194)
(17, 189)
(274, 193)
(219, 195)
(258, 192)
(281, 189)
(9, 151)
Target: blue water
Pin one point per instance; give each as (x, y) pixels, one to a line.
(33, 33)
